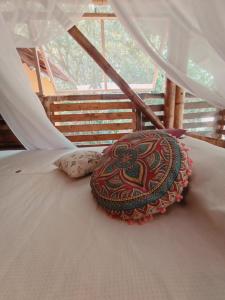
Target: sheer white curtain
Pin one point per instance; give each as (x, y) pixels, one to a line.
(29, 23)
(193, 37)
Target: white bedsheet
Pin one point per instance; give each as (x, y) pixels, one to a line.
(55, 243)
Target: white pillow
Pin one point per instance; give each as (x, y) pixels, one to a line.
(79, 163)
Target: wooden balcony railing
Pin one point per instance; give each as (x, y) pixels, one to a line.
(90, 120)
(95, 119)
(102, 119)
(199, 117)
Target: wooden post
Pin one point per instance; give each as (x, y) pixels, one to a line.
(99, 2)
(48, 68)
(139, 122)
(102, 24)
(220, 123)
(179, 107)
(169, 106)
(47, 101)
(108, 69)
(38, 71)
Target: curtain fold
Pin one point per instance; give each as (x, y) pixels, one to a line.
(192, 33)
(35, 22)
(30, 23)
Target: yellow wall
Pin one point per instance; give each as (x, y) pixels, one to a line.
(48, 88)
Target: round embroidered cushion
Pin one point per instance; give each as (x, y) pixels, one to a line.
(141, 175)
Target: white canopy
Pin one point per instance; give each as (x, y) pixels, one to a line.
(192, 34)
(31, 23)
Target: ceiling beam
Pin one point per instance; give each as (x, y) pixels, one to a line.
(99, 16)
(100, 2)
(111, 72)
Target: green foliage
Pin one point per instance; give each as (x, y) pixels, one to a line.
(199, 74)
(121, 51)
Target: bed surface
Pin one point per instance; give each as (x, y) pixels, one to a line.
(56, 244)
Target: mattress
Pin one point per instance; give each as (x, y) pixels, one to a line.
(56, 244)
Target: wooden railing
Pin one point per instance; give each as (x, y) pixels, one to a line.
(96, 119)
(214, 141)
(90, 120)
(199, 116)
(102, 119)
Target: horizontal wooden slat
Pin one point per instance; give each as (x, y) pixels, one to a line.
(87, 97)
(198, 124)
(95, 137)
(96, 127)
(214, 141)
(92, 117)
(160, 118)
(91, 106)
(201, 132)
(99, 16)
(93, 145)
(158, 107)
(197, 105)
(101, 97)
(198, 115)
(152, 95)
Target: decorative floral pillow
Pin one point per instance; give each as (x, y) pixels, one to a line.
(178, 133)
(79, 163)
(140, 175)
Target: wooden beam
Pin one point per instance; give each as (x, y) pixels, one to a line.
(102, 97)
(214, 141)
(169, 104)
(94, 137)
(108, 69)
(96, 127)
(179, 107)
(139, 122)
(102, 25)
(91, 106)
(93, 117)
(48, 68)
(99, 2)
(47, 102)
(99, 16)
(38, 71)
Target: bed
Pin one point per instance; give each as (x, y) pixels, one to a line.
(56, 244)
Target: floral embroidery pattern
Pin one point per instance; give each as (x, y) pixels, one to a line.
(79, 164)
(140, 174)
